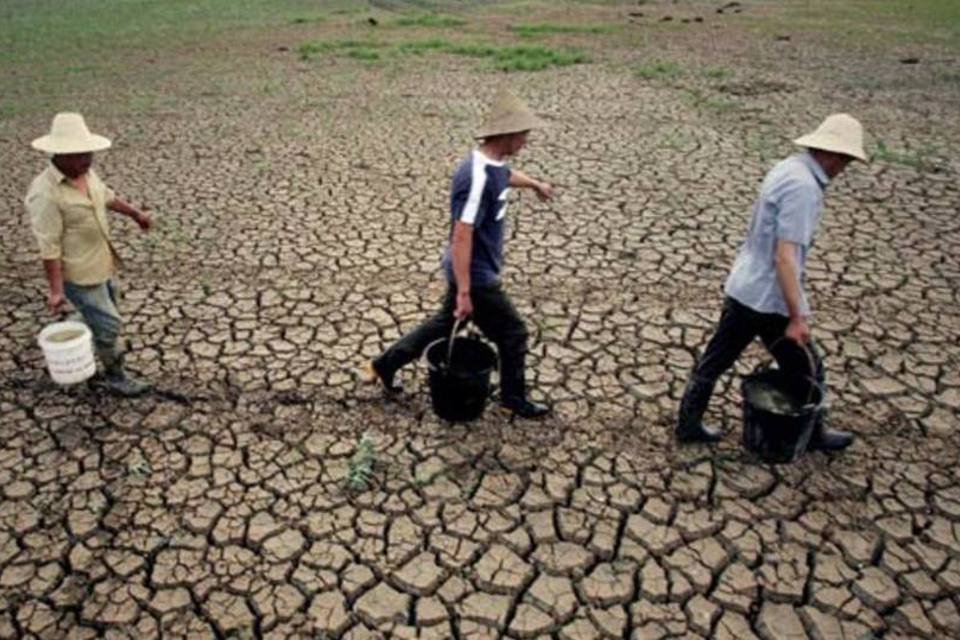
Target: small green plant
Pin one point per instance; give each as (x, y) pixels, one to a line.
(363, 54)
(761, 145)
(360, 467)
(716, 73)
(658, 70)
(919, 159)
(429, 20)
(720, 105)
(700, 100)
(545, 28)
(139, 467)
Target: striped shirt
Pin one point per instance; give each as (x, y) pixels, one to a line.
(478, 197)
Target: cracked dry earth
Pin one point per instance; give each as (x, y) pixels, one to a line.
(299, 233)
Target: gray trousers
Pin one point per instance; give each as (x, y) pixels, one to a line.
(98, 306)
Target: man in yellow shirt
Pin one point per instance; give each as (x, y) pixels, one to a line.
(67, 206)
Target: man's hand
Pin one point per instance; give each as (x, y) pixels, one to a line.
(464, 306)
(55, 302)
(544, 191)
(798, 330)
(143, 220)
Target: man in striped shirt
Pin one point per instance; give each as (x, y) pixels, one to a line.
(474, 258)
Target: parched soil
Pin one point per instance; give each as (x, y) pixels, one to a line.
(301, 210)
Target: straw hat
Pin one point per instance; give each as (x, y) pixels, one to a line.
(840, 133)
(69, 134)
(508, 114)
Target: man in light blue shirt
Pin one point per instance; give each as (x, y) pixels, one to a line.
(764, 291)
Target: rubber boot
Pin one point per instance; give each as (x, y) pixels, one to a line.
(525, 408)
(373, 372)
(514, 399)
(696, 397)
(824, 439)
(115, 377)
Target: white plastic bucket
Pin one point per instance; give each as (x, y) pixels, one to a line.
(68, 349)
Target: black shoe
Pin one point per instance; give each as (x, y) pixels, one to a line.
(526, 409)
(697, 433)
(372, 373)
(824, 439)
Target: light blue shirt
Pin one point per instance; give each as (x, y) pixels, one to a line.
(788, 208)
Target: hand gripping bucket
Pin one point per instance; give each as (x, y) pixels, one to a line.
(68, 349)
(779, 434)
(459, 369)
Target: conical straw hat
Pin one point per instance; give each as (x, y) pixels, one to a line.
(69, 134)
(509, 114)
(840, 133)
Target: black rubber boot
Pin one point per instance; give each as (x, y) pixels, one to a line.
(824, 439)
(115, 377)
(525, 408)
(696, 397)
(374, 372)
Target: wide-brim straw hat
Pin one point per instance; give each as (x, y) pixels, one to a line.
(69, 134)
(508, 114)
(839, 133)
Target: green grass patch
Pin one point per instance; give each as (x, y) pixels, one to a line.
(45, 33)
(920, 159)
(546, 28)
(429, 20)
(699, 99)
(504, 58)
(658, 70)
(858, 23)
(357, 49)
(522, 58)
(418, 47)
(716, 73)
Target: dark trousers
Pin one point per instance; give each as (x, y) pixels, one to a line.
(739, 326)
(495, 316)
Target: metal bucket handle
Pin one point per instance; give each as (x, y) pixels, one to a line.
(811, 360)
(457, 325)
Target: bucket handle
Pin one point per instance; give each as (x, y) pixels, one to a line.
(811, 360)
(456, 327)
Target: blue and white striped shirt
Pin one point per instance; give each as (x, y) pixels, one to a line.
(478, 197)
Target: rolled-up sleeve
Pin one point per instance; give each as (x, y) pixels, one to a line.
(47, 225)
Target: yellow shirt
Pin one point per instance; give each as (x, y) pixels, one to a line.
(72, 227)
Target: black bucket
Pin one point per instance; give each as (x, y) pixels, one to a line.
(778, 418)
(459, 376)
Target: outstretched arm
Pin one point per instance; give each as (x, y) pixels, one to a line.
(522, 181)
(131, 212)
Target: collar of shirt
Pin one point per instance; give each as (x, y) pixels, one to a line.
(818, 173)
(55, 174)
(487, 159)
